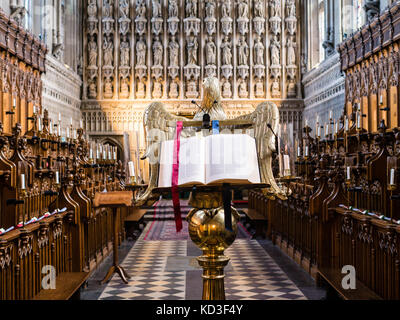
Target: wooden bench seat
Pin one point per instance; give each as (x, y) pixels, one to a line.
(136, 214)
(259, 221)
(133, 221)
(68, 286)
(333, 279)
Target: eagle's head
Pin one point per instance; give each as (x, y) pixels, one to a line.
(212, 93)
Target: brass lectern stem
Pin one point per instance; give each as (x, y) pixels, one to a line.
(213, 276)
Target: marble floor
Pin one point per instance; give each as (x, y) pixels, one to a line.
(168, 270)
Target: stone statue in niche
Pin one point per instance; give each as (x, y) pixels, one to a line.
(141, 9)
(275, 52)
(291, 54)
(243, 88)
(290, 8)
(141, 52)
(226, 51)
(92, 47)
(108, 50)
(173, 52)
(173, 92)
(157, 90)
(211, 51)
(192, 46)
(92, 90)
(243, 51)
(243, 9)
(124, 9)
(125, 87)
(259, 51)
(259, 9)
(226, 9)
(125, 52)
(191, 8)
(92, 9)
(107, 9)
(276, 92)
(157, 52)
(226, 89)
(156, 8)
(173, 8)
(140, 90)
(210, 9)
(108, 88)
(275, 6)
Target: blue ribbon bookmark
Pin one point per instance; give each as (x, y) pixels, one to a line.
(215, 127)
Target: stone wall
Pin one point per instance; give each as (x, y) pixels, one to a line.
(146, 50)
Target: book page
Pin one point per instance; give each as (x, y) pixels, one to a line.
(231, 158)
(191, 162)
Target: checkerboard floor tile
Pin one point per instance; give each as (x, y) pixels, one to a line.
(253, 274)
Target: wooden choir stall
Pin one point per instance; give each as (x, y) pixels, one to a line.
(345, 208)
(47, 184)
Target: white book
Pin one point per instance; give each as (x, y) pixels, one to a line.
(215, 159)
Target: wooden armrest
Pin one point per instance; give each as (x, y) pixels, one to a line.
(113, 199)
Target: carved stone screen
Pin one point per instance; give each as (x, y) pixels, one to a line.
(138, 51)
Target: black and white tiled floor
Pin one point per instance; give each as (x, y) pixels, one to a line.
(252, 274)
(165, 268)
(146, 264)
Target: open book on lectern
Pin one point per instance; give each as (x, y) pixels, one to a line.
(211, 160)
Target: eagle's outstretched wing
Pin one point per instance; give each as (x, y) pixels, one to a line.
(159, 126)
(266, 113)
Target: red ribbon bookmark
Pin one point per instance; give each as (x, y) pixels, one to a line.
(175, 177)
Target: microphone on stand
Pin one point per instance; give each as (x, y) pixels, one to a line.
(276, 137)
(194, 102)
(206, 116)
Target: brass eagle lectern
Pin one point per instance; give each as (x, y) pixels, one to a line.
(207, 226)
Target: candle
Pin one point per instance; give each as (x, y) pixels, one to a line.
(358, 120)
(57, 177)
(39, 124)
(286, 164)
(59, 117)
(34, 109)
(74, 130)
(115, 153)
(109, 153)
(59, 130)
(68, 132)
(392, 171)
(336, 127)
(346, 123)
(330, 115)
(71, 121)
(131, 169)
(22, 181)
(306, 125)
(14, 103)
(326, 129)
(306, 152)
(81, 124)
(299, 151)
(90, 153)
(97, 153)
(51, 126)
(348, 173)
(318, 131)
(381, 99)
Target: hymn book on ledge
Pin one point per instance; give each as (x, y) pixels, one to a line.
(211, 160)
